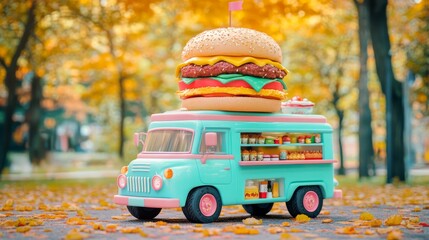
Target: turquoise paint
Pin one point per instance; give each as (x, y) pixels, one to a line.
(228, 176)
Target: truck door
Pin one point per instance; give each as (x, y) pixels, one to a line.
(216, 167)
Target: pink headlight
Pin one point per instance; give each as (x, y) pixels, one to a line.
(122, 181)
(157, 182)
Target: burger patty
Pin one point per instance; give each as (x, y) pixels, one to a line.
(222, 67)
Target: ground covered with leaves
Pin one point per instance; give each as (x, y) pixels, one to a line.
(78, 209)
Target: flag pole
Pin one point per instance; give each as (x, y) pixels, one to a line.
(230, 16)
(234, 6)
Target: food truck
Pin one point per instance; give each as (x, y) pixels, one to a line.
(200, 161)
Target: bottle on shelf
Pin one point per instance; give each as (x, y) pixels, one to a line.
(275, 189)
(263, 188)
(269, 189)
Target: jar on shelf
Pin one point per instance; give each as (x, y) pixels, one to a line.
(253, 155)
(245, 155)
(251, 190)
(308, 139)
(283, 154)
(317, 138)
(286, 139)
(267, 157)
(261, 140)
(260, 156)
(301, 139)
(274, 157)
(244, 139)
(269, 140)
(252, 139)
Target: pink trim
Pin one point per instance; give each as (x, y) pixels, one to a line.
(338, 193)
(149, 202)
(121, 200)
(161, 203)
(181, 116)
(284, 162)
(182, 156)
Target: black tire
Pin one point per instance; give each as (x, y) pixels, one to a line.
(208, 197)
(310, 205)
(144, 213)
(258, 210)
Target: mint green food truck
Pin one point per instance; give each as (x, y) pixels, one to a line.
(203, 160)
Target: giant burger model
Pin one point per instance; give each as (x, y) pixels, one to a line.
(232, 69)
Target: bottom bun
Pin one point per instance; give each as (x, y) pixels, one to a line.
(236, 104)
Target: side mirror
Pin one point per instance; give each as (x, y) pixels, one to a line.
(138, 139)
(210, 139)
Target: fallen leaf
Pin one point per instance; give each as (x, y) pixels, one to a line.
(285, 224)
(111, 228)
(23, 229)
(393, 220)
(75, 221)
(328, 220)
(366, 216)
(275, 230)
(252, 221)
(302, 218)
(394, 235)
(131, 230)
(346, 230)
(246, 231)
(119, 217)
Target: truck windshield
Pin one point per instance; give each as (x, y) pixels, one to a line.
(168, 140)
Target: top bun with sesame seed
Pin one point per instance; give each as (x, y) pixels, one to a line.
(231, 41)
(232, 69)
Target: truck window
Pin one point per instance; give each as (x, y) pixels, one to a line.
(220, 148)
(169, 140)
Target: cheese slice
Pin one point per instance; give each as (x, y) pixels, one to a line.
(236, 61)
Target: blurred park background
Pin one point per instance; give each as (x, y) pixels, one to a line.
(78, 77)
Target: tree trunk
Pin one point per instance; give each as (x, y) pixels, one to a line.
(366, 149)
(395, 127)
(340, 114)
(36, 149)
(341, 169)
(11, 84)
(122, 116)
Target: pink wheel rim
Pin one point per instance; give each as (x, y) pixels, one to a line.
(311, 201)
(208, 205)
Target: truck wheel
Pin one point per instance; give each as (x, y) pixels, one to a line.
(306, 200)
(144, 213)
(258, 210)
(203, 205)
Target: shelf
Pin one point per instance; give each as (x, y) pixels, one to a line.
(285, 162)
(285, 145)
(260, 145)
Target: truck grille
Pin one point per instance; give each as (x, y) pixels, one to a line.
(140, 167)
(138, 184)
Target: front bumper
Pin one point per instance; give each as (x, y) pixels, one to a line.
(338, 194)
(147, 202)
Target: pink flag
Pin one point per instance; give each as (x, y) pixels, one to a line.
(234, 6)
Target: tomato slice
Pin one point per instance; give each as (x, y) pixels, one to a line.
(207, 82)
